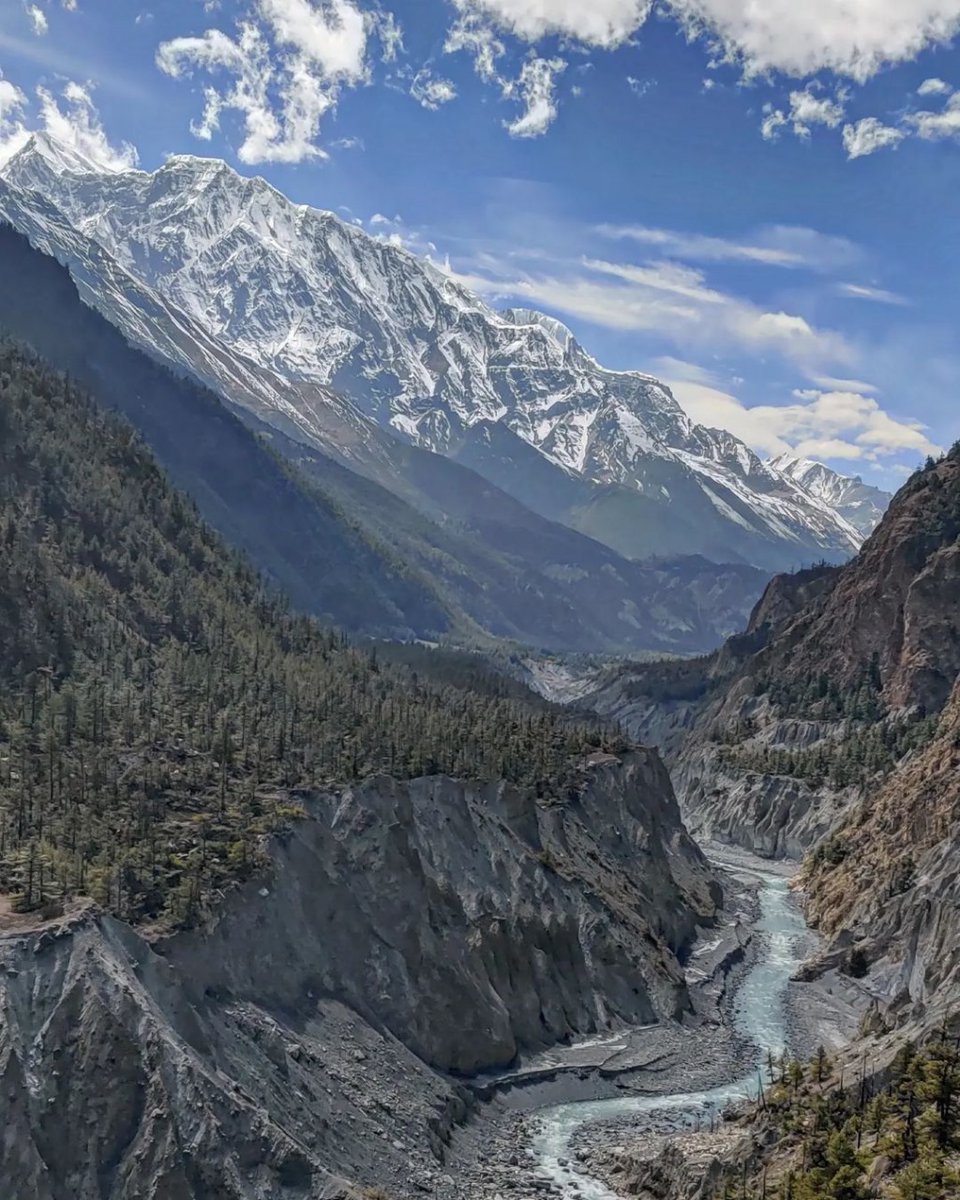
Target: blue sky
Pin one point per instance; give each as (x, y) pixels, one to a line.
(755, 201)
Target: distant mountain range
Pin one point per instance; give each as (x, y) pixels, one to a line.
(497, 428)
(860, 504)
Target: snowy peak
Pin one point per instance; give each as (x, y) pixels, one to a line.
(54, 154)
(859, 503)
(315, 308)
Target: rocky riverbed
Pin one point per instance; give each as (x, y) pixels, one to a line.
(599, 1119)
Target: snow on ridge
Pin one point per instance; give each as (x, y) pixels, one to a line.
(311, 299)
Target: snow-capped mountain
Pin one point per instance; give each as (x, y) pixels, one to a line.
(859, 503)
(348, 342)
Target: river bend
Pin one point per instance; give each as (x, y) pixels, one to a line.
(760, 1014)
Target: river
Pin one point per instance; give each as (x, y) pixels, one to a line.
(760, 1013)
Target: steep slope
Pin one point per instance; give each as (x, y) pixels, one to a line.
(860, 504)
(841, 673)
(343, 547)
(296, 535)
(326, 332)
(253, 1016)
(888, 884)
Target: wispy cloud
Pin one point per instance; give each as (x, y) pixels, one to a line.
(431, 92)
(672, 300)
(536, 89)
(858, 291)
(773, 246)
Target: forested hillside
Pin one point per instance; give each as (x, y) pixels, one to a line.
(158, 703)
(894, 1136)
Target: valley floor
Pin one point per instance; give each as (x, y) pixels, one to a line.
(587, 1090)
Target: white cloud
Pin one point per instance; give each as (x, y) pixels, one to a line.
(597, 23)
(430, 91)
(474, 37)
(858, 291)
(800, 39)
(332, 36)
(788, 246)
(868, 136)
(287, 69)
(934, 126)
(807, 107)
(537, 89)
(38, 19)
(836, 425)
(934, 87)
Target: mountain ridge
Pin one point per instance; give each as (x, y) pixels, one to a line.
(860, 503)
(344, 340)
(475, 566)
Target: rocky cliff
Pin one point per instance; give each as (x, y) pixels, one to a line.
(886, 891)
(831, 683)
(122, 1077)
(308, 1034)
(838, 675)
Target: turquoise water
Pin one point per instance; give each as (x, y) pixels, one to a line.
(760, 1016)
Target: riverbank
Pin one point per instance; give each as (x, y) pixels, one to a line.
(564, 1123)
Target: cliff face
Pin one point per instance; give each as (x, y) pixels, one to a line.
(404, 930)
(779, 749)
(891, 886)
(530, 921)
(895, 605)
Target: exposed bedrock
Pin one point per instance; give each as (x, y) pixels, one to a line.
(306, 1037)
